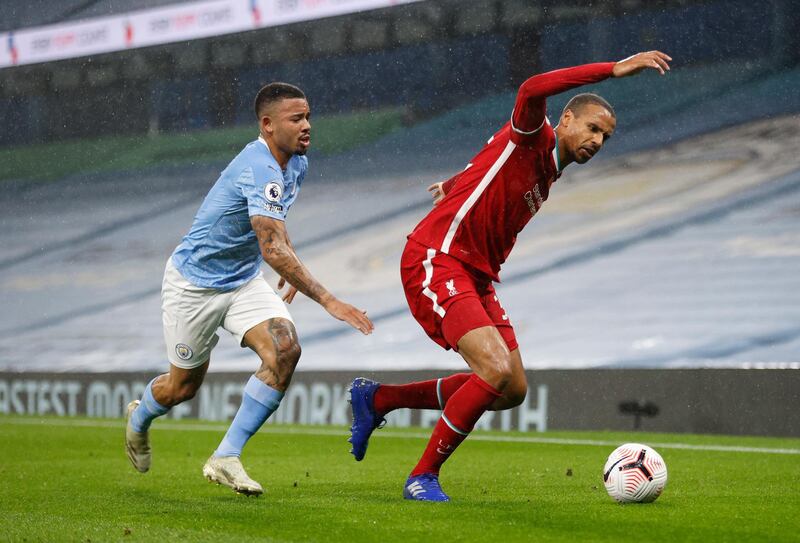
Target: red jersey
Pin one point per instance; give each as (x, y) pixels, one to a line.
(501, 189)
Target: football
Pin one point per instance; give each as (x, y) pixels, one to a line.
(635, 473)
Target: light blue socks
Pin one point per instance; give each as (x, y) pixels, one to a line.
(148, 409)
(259, 401)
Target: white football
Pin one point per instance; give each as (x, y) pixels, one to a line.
(635, 473)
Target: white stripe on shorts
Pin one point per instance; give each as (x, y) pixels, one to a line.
(428, 265)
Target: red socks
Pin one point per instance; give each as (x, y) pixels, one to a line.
(465, 397)
(460, 414)
(431, 394)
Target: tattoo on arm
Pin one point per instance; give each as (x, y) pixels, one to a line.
(277, 251)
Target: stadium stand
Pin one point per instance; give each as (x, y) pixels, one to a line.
(117, 230)
(673, 248)
(15, 15)
(416, 63)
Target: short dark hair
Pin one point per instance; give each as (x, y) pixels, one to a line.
(269, 94)
(577, 102)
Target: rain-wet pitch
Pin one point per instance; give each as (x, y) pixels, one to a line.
(69, 479)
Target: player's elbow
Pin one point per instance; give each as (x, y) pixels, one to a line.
(531, 88)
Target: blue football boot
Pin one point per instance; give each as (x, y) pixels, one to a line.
(365, 419)
(424, 488)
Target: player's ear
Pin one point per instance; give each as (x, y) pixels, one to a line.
(265, 123)
(566, 118)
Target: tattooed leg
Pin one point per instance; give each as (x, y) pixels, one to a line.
(275, 341)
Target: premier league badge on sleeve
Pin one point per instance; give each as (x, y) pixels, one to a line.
(273, 192)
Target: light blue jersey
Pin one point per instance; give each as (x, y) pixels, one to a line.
(221, 250)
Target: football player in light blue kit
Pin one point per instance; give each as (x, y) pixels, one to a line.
(214, 279)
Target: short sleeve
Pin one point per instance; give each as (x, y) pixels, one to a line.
(264, 192)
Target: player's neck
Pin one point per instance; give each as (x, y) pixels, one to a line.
(280, 157)
(562, 157)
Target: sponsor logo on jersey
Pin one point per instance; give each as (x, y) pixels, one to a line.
(273, 192)
(183, 351)
(534, 199)
(273, 208)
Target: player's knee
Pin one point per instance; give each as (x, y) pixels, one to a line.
(183, 392)
(280, 360)
(515, 392)
(289, 355)
(498, 371)
(284, 338)
(285, 363)
(187, 393)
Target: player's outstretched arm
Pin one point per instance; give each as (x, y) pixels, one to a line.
(277, 251)
(530, 105)
(529, 109)
(653, 60)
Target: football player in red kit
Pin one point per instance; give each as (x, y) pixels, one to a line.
(454, 254)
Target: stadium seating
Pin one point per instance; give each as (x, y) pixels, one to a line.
(682, 253)
(604, 245)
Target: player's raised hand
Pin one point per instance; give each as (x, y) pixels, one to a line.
(436, 192)
(655, 60)
(288, 296)
(351, 315)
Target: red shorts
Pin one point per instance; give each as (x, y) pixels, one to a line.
(448, 298)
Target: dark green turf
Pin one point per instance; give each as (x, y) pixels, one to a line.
(331, 134)
(65, 481)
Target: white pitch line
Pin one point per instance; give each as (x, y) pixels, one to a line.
(280, 430)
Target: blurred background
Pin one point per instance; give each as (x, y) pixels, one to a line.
(664, 273)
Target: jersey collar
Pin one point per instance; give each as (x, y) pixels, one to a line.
(269, 152)
(556, 161)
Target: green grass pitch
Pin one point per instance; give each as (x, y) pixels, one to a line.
(69, 480)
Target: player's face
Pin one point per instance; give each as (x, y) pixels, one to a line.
(585, 133)
(289, 125)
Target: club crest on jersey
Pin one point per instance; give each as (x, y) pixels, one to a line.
(451, 287)
(183, 351)
(273, 192)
